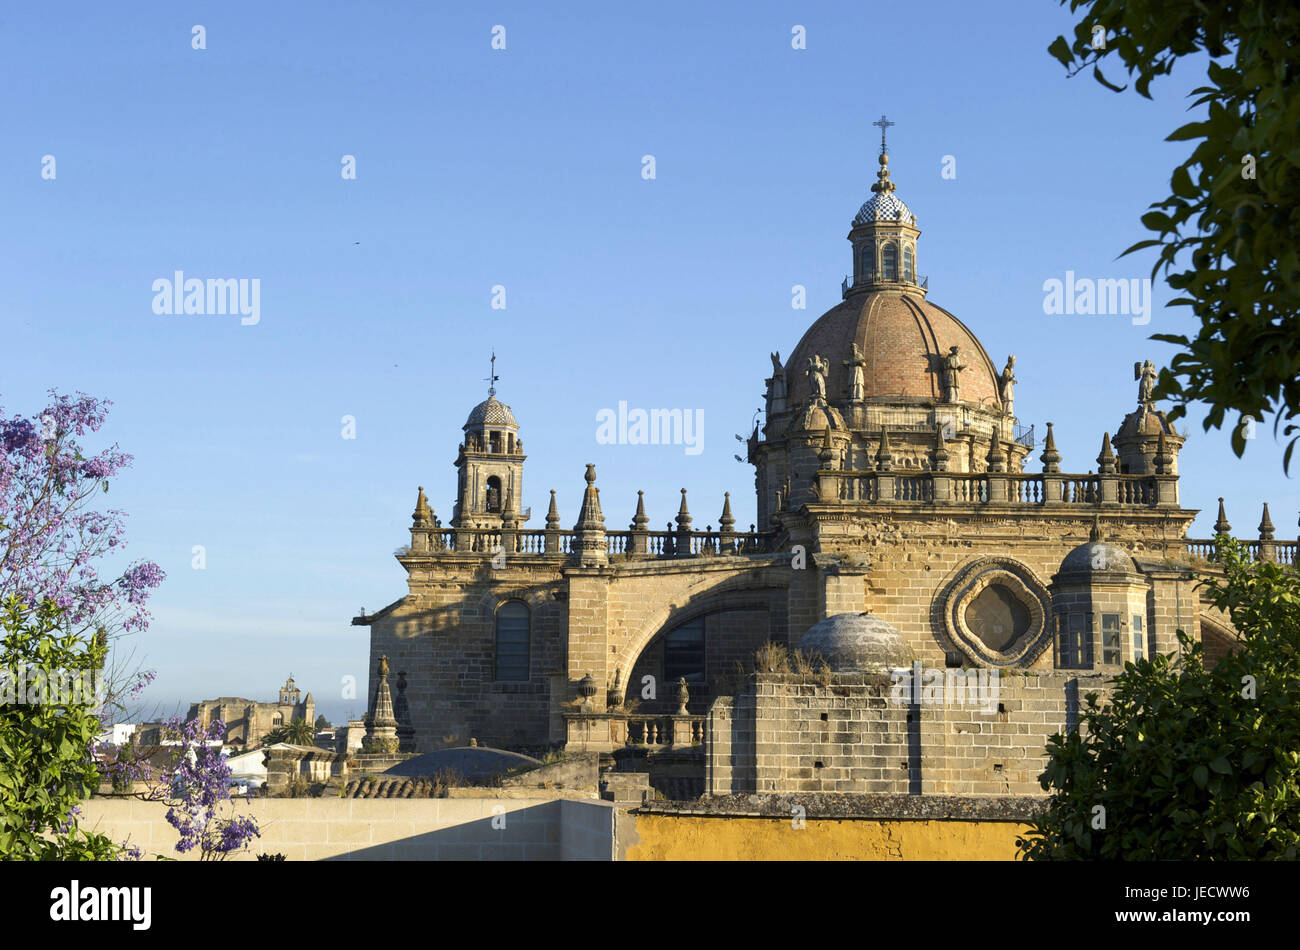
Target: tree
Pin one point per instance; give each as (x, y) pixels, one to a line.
(322, 723)
(194, 788)
(1187, 763)
(48, 723)
(295, 731)
(52, 537)
(1229, 235)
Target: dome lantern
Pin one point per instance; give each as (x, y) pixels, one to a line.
(884, 236)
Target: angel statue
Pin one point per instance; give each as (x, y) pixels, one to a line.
(817, 370)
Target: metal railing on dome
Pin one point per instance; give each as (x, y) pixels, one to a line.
(865, 280)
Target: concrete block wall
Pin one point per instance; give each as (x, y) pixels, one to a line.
(432, 829)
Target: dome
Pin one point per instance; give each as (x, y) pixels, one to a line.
(857, 642)
(903, 338)
(817, 418)
(1145, 422)
(885, 206)
(1096, 557)
(490, 412)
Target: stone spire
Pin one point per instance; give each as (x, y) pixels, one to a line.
(682, 545)
(683, 518)
(423, 516)
(1106, 460)
(941, 455)
(1095, 534)
(589, 533)
(997, 460)
(590, 516)
(1266, 528)
(381, 724)
(639, 520)
(884, 456)
(1163, 460)
(726, 526)
(552, 537)
(827, 454)
(508, 518)
(1051, 458)
(1221, 526)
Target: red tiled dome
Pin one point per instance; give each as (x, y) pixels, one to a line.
(903, 339)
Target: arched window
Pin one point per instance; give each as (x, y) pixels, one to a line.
(866, 262)
(909, 267)
(889, 262)
(512, 641)
(493, 500)
(684, 653)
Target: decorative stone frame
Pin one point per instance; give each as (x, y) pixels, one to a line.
(971, 581)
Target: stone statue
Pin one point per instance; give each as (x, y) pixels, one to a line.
(1008, 382)
(953, 366)
(383, 665)
(776, 391)
(1146, 374)
(857, 375)
(817, 370)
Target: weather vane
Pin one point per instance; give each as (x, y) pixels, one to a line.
(884, 126)
(492, 376)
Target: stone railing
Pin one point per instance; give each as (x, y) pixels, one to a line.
(663, 732)
(605, 732)
(996, 488)
(618, 544)
(1279, 552)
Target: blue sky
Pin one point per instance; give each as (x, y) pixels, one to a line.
(522, 168)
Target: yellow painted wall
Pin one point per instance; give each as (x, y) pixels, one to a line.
(690, 838)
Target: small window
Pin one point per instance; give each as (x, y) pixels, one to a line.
(512, 645)
(1074, 641)
(1139, 639)
(909, 268)
(889, 262)
(1110, 651)
(492, 502)
(684, 653)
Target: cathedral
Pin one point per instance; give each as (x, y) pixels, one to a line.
(903, 521)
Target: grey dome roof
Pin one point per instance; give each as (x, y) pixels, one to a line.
(884, 206)
(857, 642)
(490, 412)
(1096, 557)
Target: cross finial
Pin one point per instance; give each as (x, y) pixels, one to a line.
(884, 127)
(492, 376)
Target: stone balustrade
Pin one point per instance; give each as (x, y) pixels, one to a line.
(997, 488)
(604, 732)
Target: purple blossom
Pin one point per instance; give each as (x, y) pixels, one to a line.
(195, 788)
(51, 535)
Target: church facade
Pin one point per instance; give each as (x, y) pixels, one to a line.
(247, 720)
(894, 485)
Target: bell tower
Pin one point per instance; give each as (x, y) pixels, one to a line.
(490, 465)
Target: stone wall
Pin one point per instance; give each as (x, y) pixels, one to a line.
(430, 829)
(865, 734)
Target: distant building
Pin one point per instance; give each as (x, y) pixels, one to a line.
(248, 721)
(118, 733)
